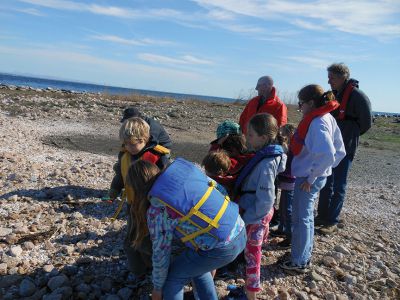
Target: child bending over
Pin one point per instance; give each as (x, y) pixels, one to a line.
(137, 145)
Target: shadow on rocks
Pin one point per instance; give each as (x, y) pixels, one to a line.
(67, 193)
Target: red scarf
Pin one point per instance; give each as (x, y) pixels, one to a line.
(297, 140)
(346, 95)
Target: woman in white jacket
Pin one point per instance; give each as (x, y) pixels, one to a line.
(317, 146)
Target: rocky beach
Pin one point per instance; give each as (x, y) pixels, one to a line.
(57, 150)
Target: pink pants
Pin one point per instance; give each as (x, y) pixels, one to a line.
(256, 235)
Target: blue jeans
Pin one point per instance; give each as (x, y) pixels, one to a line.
(303, 220)
(285, 212)
(332, 196)
(195, 266)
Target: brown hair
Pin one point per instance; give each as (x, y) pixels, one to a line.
(234, 143)
(141, 176)
(339, 69)
(286, 132)
(315, 92)
(134, 129)
(217, 162)
(265, 124)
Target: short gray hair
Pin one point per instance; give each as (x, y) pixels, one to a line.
(265, 80)
(340, 69)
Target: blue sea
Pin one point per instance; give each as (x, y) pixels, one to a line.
(42, 83)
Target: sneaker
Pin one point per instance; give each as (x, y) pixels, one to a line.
(328, 229)
(289, 266)
(285, 244)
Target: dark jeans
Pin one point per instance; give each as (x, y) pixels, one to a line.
(285, 212)
(331, 197)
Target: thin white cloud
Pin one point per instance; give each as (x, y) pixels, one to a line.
(315, 62)
(61, 56)
(132, 42)
(31, 11)
(242, 28)
(378, 18)
(183, 60)
(308, 25)
(114, 11)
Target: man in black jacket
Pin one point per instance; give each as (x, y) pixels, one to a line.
(354, 119)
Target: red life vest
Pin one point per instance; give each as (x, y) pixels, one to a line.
(346, 95)
(297, 140)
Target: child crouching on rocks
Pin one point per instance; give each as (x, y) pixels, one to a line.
(256, 189)
(182, 203)
(233, 143)
(137, 145)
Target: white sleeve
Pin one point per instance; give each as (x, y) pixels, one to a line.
(320, 144)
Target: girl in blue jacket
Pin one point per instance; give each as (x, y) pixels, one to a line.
(255, 186)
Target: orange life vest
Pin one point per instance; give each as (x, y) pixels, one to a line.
(346, 95)
(297, 140)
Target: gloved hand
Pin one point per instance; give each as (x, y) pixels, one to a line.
(111, 195)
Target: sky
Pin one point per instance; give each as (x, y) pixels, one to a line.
(206, 47)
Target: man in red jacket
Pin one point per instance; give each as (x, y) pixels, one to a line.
(266, 102)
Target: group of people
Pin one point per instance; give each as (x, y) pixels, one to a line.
(184, 223)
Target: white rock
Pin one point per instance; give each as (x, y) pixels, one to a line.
(16, 251)
(5, 231)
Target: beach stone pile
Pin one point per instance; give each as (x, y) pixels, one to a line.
(57, 240)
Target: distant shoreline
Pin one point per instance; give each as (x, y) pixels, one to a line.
(22, 81)
(42, 84)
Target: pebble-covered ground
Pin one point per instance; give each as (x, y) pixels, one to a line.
(57, 150)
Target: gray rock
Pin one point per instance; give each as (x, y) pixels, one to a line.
(330, 296)
(315, 276)
(107, 284)
(113, 297)
(58, 281)
(3, 269)
(125, 293)
(16, 251)
(53, 297)
(29, 245)
(337, 256)
(9, 280)
(84, 288)
(5, 231)
(65, 291)
(329, 261)
(27, 288)
(350, 279)
(342, 249)
(357, 237)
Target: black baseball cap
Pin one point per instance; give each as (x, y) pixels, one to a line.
(130, 112)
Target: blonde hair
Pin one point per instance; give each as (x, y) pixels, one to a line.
(134, 129)
(141, 176)
(217, 162)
